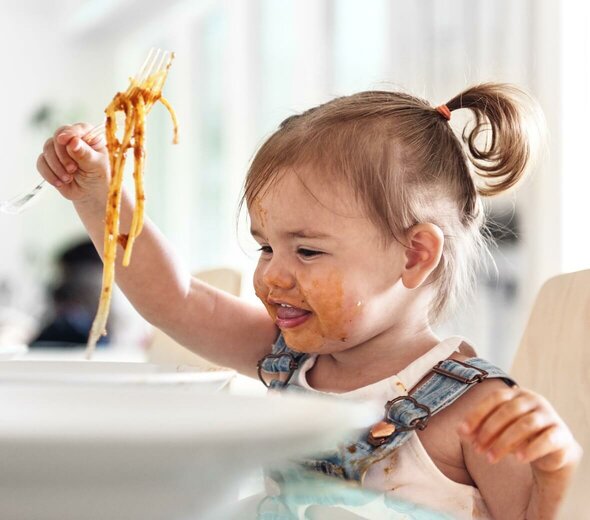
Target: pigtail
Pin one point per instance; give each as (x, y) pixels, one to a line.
(505, 135)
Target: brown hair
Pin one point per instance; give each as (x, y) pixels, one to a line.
(405, 164)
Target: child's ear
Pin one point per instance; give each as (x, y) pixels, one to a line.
(425, 243)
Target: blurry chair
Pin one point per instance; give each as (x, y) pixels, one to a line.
(554, 360)
(164, 350)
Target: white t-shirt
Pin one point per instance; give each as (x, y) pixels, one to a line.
(409, 473)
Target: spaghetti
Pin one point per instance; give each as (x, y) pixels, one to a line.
(134, 103)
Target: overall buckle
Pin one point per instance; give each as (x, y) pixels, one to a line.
(476, 378)
(381, 432)
(293, 365)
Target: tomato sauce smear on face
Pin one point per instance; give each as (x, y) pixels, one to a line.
(330, 318)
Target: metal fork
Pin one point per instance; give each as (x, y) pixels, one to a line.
(156, 61)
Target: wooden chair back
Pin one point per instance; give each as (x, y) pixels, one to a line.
(554, 359)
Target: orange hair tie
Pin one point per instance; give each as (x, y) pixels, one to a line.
(444, 111)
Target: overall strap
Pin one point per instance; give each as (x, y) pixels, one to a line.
(450, 380)
(275, 370)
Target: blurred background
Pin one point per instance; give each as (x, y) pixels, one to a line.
(241, 67)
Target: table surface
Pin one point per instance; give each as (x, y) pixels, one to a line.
(301, 495)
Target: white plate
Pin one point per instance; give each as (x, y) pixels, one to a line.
(110, 372)
(11, 351)
(127, 452)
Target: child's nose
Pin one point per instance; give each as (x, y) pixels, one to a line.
(277, 275)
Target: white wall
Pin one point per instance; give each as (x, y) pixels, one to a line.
(575, 114)
(34, 70)
(47, 62)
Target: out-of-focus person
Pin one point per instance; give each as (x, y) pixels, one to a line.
(73, 298)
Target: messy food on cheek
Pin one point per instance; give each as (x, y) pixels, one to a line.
(260, 211)
(261, 292)
(330, 318)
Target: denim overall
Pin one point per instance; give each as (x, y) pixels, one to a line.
(450, 380)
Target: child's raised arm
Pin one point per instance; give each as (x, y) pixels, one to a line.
(218, 326)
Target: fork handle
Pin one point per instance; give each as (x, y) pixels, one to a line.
(21, 202)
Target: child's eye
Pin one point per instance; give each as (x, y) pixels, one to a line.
(267, 250)
(308, 253)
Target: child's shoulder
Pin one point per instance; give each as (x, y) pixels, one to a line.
(476, 393)
(441, 438)
(454, 414)
(485, 387)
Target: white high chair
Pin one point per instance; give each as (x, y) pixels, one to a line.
(164, 350)
(554, 360)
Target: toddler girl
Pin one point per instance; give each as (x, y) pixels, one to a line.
(369, 217)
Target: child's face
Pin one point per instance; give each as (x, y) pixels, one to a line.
(324, 275)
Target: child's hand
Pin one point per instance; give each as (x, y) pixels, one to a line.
(79, 169)
(520, 422)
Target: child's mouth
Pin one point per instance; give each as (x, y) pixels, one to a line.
(289, 316)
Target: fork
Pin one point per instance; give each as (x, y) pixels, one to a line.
(19, 203)
(156, 61)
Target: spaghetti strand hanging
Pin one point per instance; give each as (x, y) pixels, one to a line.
(135, 103)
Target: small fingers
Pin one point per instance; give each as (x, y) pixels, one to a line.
(56, 165)
(488, 405)
(552, 449)
(95, 138)
(87, 158)
(521, 432)
(77, 150)
(47, 173)
(64, 133)
(65, 129)
(544, 443)
(61, 137)
(502, 417)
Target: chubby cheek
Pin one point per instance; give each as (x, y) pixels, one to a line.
(334, 314)
(261, 290)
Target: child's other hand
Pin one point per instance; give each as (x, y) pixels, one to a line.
(79, 169)
(520, 422)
